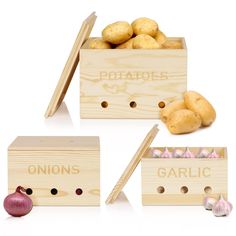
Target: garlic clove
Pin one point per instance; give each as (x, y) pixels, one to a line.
(156, 153)
(213, 154)
(222, 207)
(209, 202)
(203, 153)
(177, 153)
(166, 153)
(188, 154)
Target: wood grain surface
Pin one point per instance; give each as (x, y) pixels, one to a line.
(122, 76)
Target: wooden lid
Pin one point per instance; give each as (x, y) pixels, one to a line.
(51, 143)
(70, 66)
(132, 165)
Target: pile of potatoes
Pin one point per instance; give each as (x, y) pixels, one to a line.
(187, 115)
(143, 33)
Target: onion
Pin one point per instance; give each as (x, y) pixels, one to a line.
(18, 204)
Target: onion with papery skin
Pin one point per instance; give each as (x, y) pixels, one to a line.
(18, 203)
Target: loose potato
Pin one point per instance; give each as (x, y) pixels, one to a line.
(118, 32)
(145, 25)
(144, 41)
(99, 44)
(160, 37)
(126, 45)
(173, 44)
(170, 108)
(197, 103)
(183, 121)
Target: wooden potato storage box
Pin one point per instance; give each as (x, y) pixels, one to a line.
(175, 181)
(130, 83)
(56, 170)
(183, 181)
(122, 83)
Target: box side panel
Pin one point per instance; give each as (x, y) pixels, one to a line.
(119, 77)
(65, 171)
(182, 181)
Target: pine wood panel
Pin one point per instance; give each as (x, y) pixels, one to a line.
(174, 173)
(55, 143)
(65, 170)
(121, 76)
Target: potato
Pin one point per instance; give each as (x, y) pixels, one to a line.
(160, 37)
(183, 121)
(144, 41)
(145, 25)
(173, 44)
(118, 32)
(170, 108)
(99, 44)
(197, 103)
(126, 45)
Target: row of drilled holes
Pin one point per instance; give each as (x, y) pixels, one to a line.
(54, 191)
(133, 104)
(184, 189)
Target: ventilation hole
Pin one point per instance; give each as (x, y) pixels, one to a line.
(29, 191)
(161, 104)
(208, 189)
(54, 191)
(160, 189)
(184, 189)
(78, 191)
(104, 104)
(133, 104)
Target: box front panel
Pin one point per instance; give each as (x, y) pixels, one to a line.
(57, 177)
(130, 83)
(182, 181)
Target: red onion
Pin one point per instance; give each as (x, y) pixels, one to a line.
(18, 204)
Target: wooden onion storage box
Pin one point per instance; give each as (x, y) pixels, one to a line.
(183, 181)
(56, 170)
(175, 181)
(122, 83)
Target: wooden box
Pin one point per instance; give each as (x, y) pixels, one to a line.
(130, 83)
(56, 170)
(175, 181)
(122, 83)
(183, 181)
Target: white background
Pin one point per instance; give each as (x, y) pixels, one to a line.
(35, 40)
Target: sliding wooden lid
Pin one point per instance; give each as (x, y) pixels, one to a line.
(70, 66)
(132, 165)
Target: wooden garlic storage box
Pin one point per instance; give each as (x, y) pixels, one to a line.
(183, 181)
(123, 83)
(175, 181)
(56, 170)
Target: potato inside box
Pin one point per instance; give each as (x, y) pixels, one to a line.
(122, 83)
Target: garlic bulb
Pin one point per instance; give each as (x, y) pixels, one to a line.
(166, 153)
(156, 153)
(222, 207)
(203, 153)
(213, 154)
(209, 202)
(177, 153)
(188, 154)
